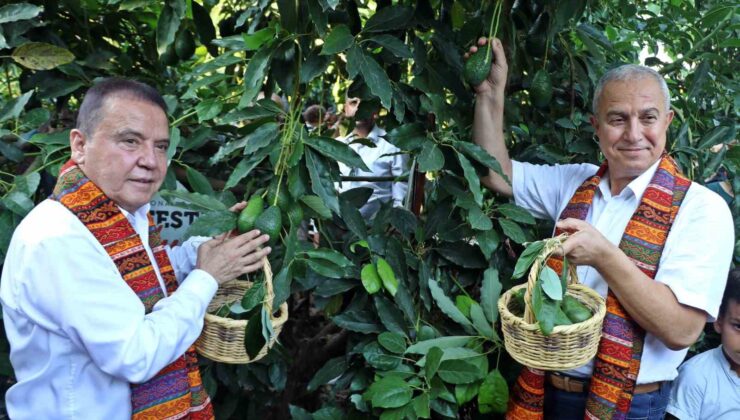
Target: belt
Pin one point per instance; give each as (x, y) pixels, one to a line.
(569, 384)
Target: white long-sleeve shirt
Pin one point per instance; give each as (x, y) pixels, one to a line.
(384, 159)
(78, 333)
(694, 262)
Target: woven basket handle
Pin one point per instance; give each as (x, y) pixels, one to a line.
(269, 291)
(532, 279)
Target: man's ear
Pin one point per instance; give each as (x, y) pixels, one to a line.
(718, 325)
(669, 117)
(77, 142)
(594, 122)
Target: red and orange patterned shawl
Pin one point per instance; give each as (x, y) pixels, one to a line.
(620, 349)
(176, 392)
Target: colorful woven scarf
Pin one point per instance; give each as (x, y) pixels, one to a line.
(620, 349)
(176, 392)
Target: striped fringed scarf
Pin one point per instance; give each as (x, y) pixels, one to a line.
(176, 392)
(620, 349)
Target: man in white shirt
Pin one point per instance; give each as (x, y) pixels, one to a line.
(631, 117)
(96, 310)
(382, 158)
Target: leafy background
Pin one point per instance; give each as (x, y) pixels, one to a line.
(393, 318)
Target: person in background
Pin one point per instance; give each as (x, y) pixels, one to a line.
(708, 385)
(381, 157)
(100, 315)
(655, 244)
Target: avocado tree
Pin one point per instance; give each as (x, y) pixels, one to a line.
(395, 316)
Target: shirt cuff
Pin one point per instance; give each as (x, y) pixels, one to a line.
(200, 283)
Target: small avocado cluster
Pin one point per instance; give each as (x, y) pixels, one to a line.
(269, 220)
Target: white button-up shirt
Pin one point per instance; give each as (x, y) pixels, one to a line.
(384, 159)
(695, 259)
(78, 333)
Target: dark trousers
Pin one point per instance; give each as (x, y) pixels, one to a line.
(563, 405)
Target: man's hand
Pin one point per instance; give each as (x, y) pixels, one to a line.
(236, 208)
(586, 245)
(226, 257)
(496, 80)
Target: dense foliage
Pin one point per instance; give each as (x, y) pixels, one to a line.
(394, 317)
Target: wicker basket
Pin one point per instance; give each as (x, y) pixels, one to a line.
(222, 339)
(568, 346)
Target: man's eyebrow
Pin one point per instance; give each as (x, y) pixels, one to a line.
(615, 113)
(651, 109)
(127, 132)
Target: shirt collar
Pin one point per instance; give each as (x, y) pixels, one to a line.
(140, 215)
(637, 186)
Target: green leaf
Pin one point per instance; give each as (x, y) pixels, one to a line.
(527, 259)
(516, 213)
(18, 11)
(320, 182)
(358, 321)
(326, 268)
(255, 74)
(459, 372)
(389, 19)
(375, 77)
(27, 184)
(370, 278)
(512, 230)
(393, 45)
(281, 286)
(421, 406)
(431, 158)
(253, 338)
(701, 75)
(18, 203)
(390, 392)
(717, 15)
(489, 294)
(243, 168)
(336, 150)
(493, 395)
(198, 182)
(423, 347)
(393, 342)
(390, 315)
(339, 39)
(317, 205)
(352, 218)
(204, 27)
(480, 322)
(254, 296)
(193, 201)
(288, 14)
(41, 56)
(718, 135)
(387, 276)
(332, 369)
(546, 315)
(551, 283)
(14, 107)
(377, 358)
(464, 393)
(463, 254)
(212, 223)
(433, 360)
(329, 254)
(488, 241)
(463, 303)
(472, 177)
(168, 23)
(446, 305)
(477, 153)
(479, 220)
(404, 221)
(208, 109)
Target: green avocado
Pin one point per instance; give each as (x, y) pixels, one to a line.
(270, 222)
(478, 66)
(184, 44)
(575, 310)
(283, 197)
(249, 214)
(169, 57)
(540, 91)
(294, 215)
(561, 318)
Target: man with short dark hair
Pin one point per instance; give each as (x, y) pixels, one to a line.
(656, 245)
(100, 315)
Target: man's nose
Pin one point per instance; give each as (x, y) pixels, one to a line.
(633, 132)
(148, 157)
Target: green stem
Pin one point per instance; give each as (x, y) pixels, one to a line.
(495, 18)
